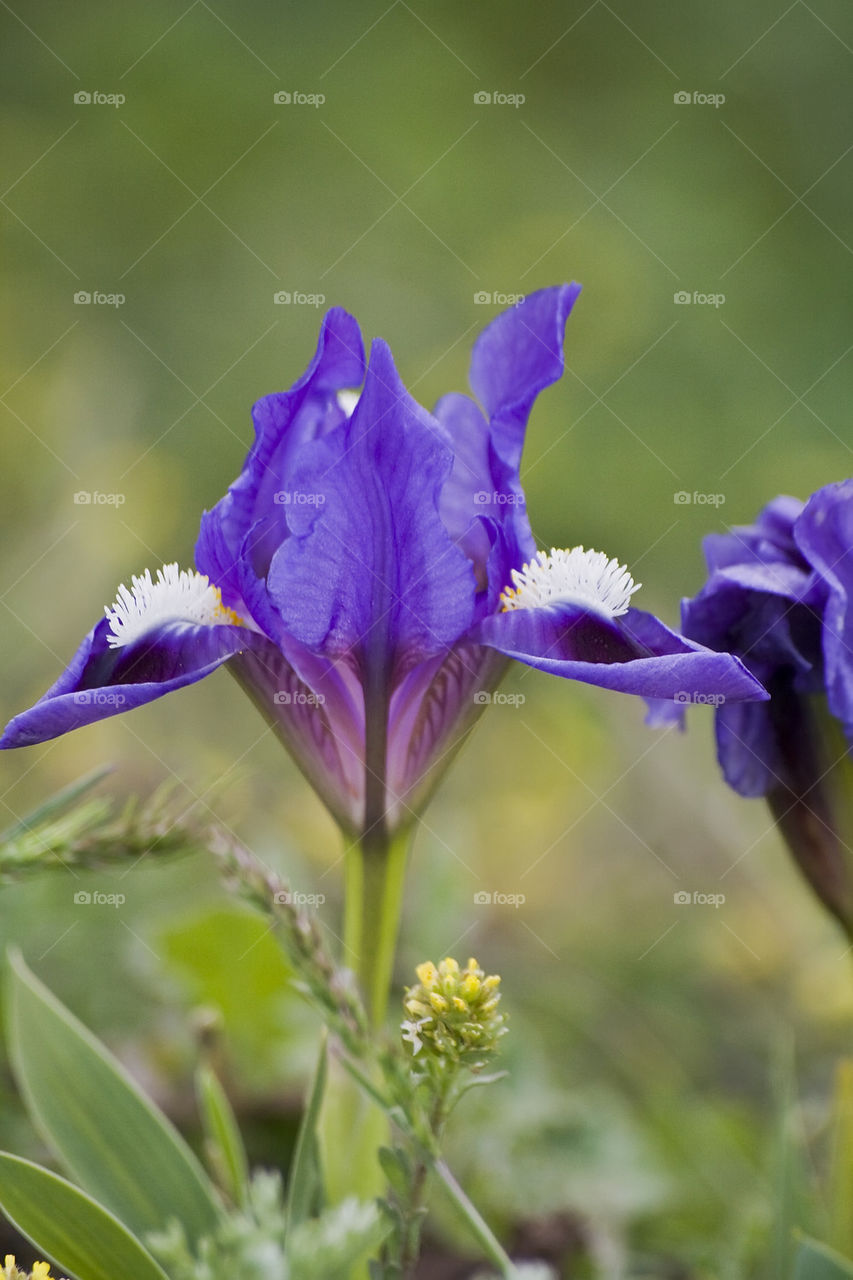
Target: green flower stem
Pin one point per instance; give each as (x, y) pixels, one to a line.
(375, 876)
(353, 1127)
(486, 1238)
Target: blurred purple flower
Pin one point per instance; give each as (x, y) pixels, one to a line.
(371, 570)
(780, 596)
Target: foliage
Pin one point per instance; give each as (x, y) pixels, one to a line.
(155, 1201)
(71, 832)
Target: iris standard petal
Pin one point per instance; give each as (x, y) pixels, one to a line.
(516, 357)
(770, 541)
(468, 495)
(283, 423)
(824, 534)
(369, 568)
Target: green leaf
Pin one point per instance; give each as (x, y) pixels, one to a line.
(70, 1227)
(305, 1179)
(816, 1261)
(108, 1135)
(226, 1152)
(397, 1167)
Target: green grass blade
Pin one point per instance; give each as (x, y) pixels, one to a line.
(226, 1153)
(305, 1180)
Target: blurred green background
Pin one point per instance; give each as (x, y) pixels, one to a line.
(648, 1037)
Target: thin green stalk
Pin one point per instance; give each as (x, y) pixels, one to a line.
(375, 878)
(417, 1193)
(353, 1127)
(488, 1241)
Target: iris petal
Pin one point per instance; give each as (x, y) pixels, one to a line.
(100, 681)
(284, 422)
(369, 566)
(634, 653)
(824, 533)
(513, 360)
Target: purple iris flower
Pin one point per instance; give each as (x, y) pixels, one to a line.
(370, 572)
(780, 596)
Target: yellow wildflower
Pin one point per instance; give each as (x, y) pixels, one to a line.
(452, 1011)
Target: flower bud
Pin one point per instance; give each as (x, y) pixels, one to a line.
(453, 1012)
(812, 798)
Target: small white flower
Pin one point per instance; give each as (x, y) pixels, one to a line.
(410, 1029)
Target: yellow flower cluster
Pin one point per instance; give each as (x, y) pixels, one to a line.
(453, 1012)
(40, 1271)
